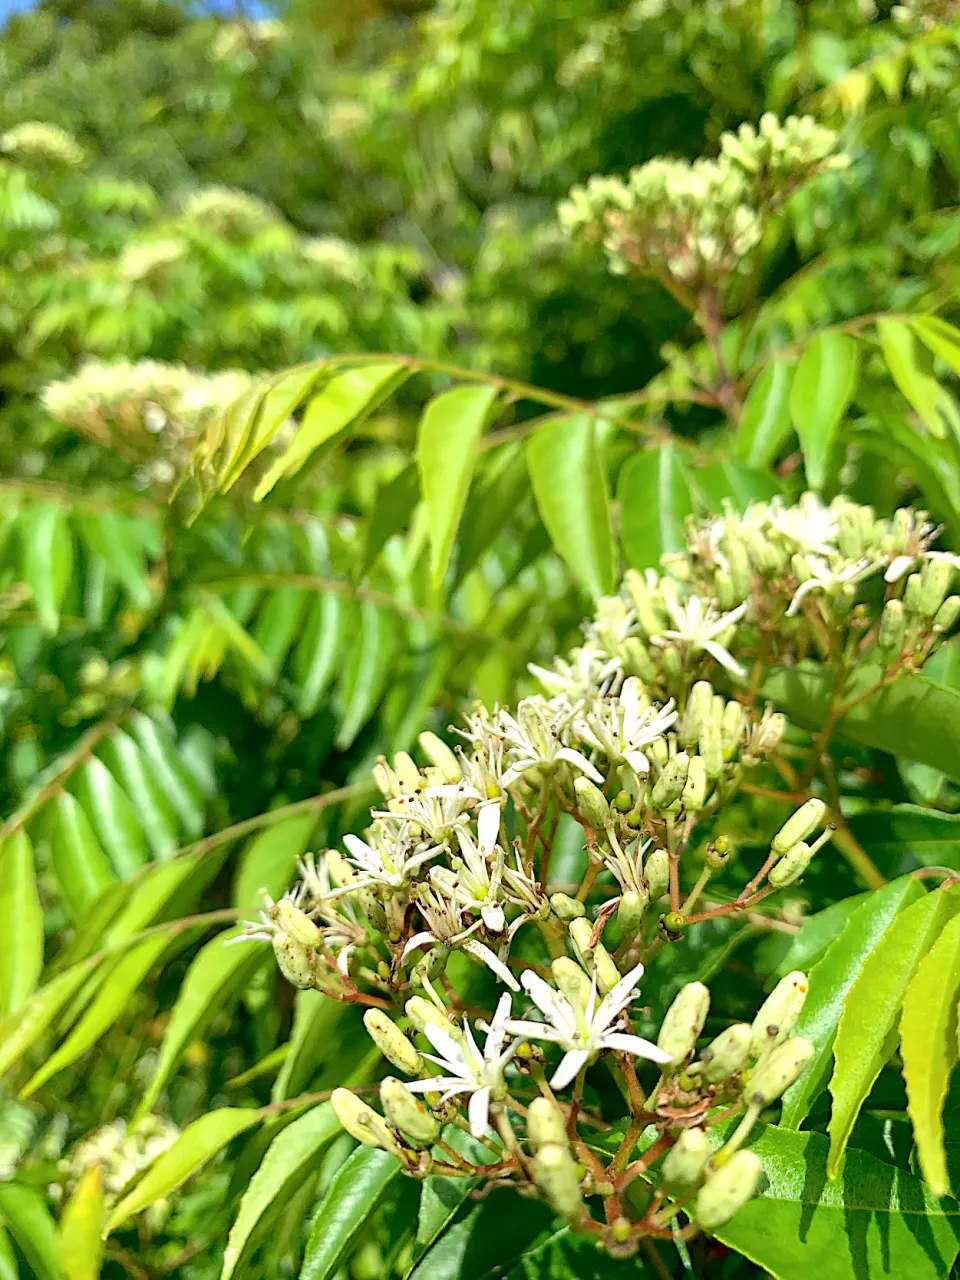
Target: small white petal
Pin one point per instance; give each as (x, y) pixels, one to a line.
(488, 827)
(533, 1030)
(417, 940)
(582, 763)
(570, 1066)
(635, 1045)
(638, 762)
(479, 1112)
(493, 917)
(619, 996)
(486, 956)
(722, 656)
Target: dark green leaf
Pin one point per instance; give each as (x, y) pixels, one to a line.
(82, 868)
(394, 506)
(823, 386)
(329, 622)
(766, 422)
(653, 493)
(365, 674)
(354, 1193)
(114, 818)
(907, 835)
(26, 1215)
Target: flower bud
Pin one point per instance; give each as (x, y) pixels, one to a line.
(727, 1054)
(686, 1159)
(386, 779)
(892, 627)
(770, 731)
(637, 661)
(440, 755)
(728, 1190)
(936, 578)
(740, 572)
(683, 1023)
(947, 614)
(555, 1173)
(802, 824)
(431, 966)
(571, 981)
(592, 803)
(341, 872)
(731, 729)
(913, 594)
(294, 961)
(669, 786)
(697, 710)
(795, 861)
(777, 1072)
(695, 788)
(406, 770)
(711, 746)
(362, 1122)
(778, 1014)
(718, 853)
(656, 873)
(545, 1124)
(391, 1042)
(407, 1113)
(593, 957)
(423, 1013)
(630, 912)
(295, 923)
(565, 907)
(648, 615)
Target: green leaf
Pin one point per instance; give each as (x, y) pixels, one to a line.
(928, 1047)
(21, 924)
(9, 1269)
(867, 1030)
(111, 537)
(918, 388)
(114, 818)
(830, 980)
(570, 486)
(342, 401)
(216, 976)
(157, 816)
(197, 1144)
(365, 674)
(823, 386)
(317, 1036)
(81, 866)
(160, 754)
(292, 1156)
(269, 861)
(328, 624)
(448, 441)
(354, 1193)
(878, 1221)
(653, 493)
(939, 337)
(766, 420)
(817, 933)
(393, 508)
(906, 835)
(565, 1255)
(500, 489)
(29, 1221)
(279, 623)
(47, 558)
(20, 1031)
(79, 1243)
(280, 401)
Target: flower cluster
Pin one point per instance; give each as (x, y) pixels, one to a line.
(119, 1154)
(38, 141)
(230, 213)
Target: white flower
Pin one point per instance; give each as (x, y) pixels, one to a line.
(697, 625)
(342, 929)
(443, 916)
(583, 1034)
(809, 525)
(475, 882)
(901, 564)
(826, 577)
(467, 1069)
(621, 730)
(438, 811)
(387, 859)
(535, 739)
(587, 671)
(627, 864)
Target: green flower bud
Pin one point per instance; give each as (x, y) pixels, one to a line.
(597, 956)
(555, 1173)
(440, 755)
(672, 663)
(341, 872)
(779, 1012)
(695, 788)
(731, 729)
(295, 924)
(718, 853)
(592, 803)
(407, 1113)
(778, 1071)
(711, 746)
(423, 1013)
(648, 615)
(294, 960)
(431, 966)
(571, 981)
(913, 594)
(637, 661)
(567, 908)
(728, 1190)
(686, 1159)
(362, 1122)
(936, 578)
(630, 912)
(801, 568)
(892, 627)
(372, 909)
(669, 786)
(697, 711)
(740, 573)
(727, 1054)
(545, 1124)
(406, 770)
(727, 595)
(802, 824)
(770, 732)
(658, 751)
(391, 1042)
(683, 1023)
(386, 779)
(947, 614)
(796, 860)
(656, 873)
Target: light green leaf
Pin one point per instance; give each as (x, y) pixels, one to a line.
(817, 933)
(570, 485)
(21, 924)
(278, 624)
(280, 401)
(918, 388)
(823, 386)
(9, 1268)
(342, 401)
(448, 441)
(197, 1144)
(328, 624)
(393, 508)
(269, 861)
(766, 420)
(157, 816)
(314, 1040)
(354, 1193)
(292, 1156)
(29, 1221)
(867, 1030)
(941, 338)
(110, 537)
(928, 1047)
(79, 1243)
(47, 553)
(20, 1031)
(82, 868)
(160, 755)
(830, 980)
(113, 817)
(365, 674)
(234, 431)
(653, 492)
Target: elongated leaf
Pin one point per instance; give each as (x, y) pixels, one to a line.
(817, 933)
(157, 815)
(365, 675)
(28, 1219)
(9, 1268)
(928, 1047)
(198, 1143)
(823, 386)
(79, 1243)
(158, 895)
(570, 486)
(564, 1255)
(501, 486)
(342, 401)
(316, 1037)
(766, 421)
(235, 430)
(352, 1196)
(113, 817)
(21, 924)
(653, 492)
(279, 624)
(20, 1032)
(328, 624)
(877, 1222)
(270, 859)
(393, 509)
(47, 555)
(830, 980)
(217, 974)
(82, 868)
(484, 1237)
(917, 387)
(110, 537)
(939, 337)
(448, 442)
(292, 1156)
(281, 399)
(867, 1030)
(907, 835)
(167, 770)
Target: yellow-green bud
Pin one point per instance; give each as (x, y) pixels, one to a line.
(362, 1122)
(406, 770)
(727, 1054)
(697, 711)
(936, 578)
(440, 755)
(728, 1190)
(669, 786)
(913, 594)
(740, 572)
(294, 961)
(711, 746)
(424, 1013)
(391, 1042)
(727, 594)
(341, 872)
(592, 803)
(295, 924)
(656, 873)
(731, 729)
(892, 627)
(778, 1071)
(431, 966)
(637, 661)
(718, 853)
(571, 981)
(630, 912)
(407, 1113)
(597, 956)
(796, 860)
(565, 907)
(386, 779)
(555, 1173)
(778, 1014)
(648, 615)
(802, 824)
(801, 567)
(686, 1159)
(683, 1023)
(545, 1124)
(695, 788)
(947, 614)
(771, 730)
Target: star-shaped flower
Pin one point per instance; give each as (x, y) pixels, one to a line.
(475, 882)
(829, 578)
(536, 739)
(621, 727)
(697, 625)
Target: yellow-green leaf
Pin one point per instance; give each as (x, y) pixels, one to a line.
(81, 866)
(917, 387)
(823, 387)
(79, 1234)
(766, 415)
(21, 924)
